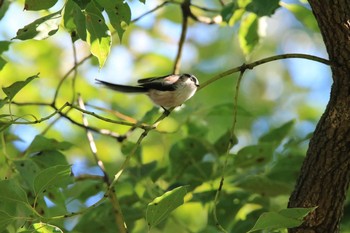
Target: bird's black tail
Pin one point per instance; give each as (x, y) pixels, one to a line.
(122, 88)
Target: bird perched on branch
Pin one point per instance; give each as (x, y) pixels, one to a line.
(167, 91)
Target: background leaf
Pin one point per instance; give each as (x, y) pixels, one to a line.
(14, 88)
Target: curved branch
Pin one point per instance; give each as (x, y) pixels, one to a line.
(263, 61)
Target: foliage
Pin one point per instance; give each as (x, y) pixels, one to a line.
(218, 163)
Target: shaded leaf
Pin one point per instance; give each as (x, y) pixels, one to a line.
(119, 14)
(263, 7)
(254, 155)
(228, 11)
(74, 21)
(286, 218)
(41, 28)
(248, 33)
(98, 35)
(162, 206)
(41, 143)
(49, 158)
(2, 64)
(14, 88)
(221, 145)
(27, 170)
(11, 191)
(34, 5)
(6, 219)
(264, 186)
(278, 134)
(4, 8)
(185, 153)
(4, 46)
(56, 176)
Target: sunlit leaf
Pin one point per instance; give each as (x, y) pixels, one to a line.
(162, 206)
(41, 28)
(119, 14)
(46, 228)
(34, 5)
(248, 33)
(286, 218)
(14, 88)
(98, 34)
(263, 7)
(56, 176)
(303, 14)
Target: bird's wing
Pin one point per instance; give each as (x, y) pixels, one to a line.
(123, 88)
(163, 83)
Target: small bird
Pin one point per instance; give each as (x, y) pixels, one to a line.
(166, 91)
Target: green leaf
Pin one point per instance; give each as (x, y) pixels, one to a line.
(98, 35)
(41, 28)
(221, 145)
(254, 155)
(4, 46)
(228, 11)
(4, 8)
(264, 186)
(11, 191)
(162, 206)
(6, 219)
(14, 88)
(2, 65)
(49, 158)
(278, 134)
(286, 218)
(185, 153)
(57, 176)
(263, 7)
(41, 143)
(119, 14)
(248, 33)
(303, 14)
(27, 170)
(34, 5)
(46, 228)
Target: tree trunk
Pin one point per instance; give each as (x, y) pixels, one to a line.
(325, 174)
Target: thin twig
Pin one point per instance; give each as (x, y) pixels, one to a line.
(229, 147)
(263, 61)
(185, 7)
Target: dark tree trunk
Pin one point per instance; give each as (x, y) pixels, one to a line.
(325, 174)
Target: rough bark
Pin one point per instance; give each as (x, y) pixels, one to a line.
(325, 174)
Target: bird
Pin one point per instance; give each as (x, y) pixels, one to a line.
(167, 91)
